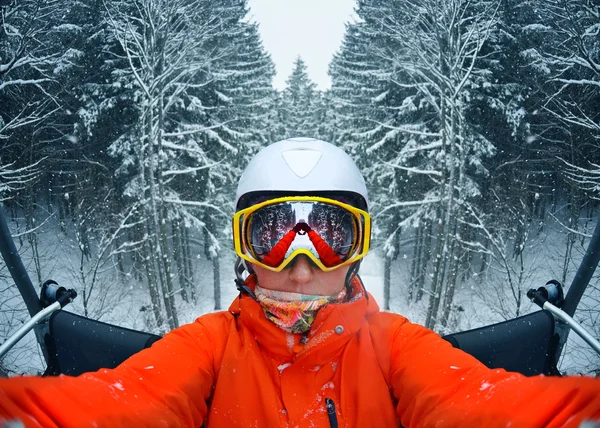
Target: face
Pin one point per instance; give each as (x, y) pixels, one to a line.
(302, 276)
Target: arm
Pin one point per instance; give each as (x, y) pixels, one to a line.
(165, 385)
(438, 385)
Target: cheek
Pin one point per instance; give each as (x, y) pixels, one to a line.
(329, 283)
(336, 276)
(267, 278)
(339, 276)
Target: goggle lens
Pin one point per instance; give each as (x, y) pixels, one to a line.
(330, 232)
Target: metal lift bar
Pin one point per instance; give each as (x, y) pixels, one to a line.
(575, 326)
(580, 282)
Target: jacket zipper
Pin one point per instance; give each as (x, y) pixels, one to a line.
(329, 404)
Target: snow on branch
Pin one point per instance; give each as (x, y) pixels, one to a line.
(215, 136)
(569, 229)
(415, 170)
(194, 204)
(193, 129)
(15, 179)
(22, 82)
(189, 170)
(27, 232)
(578, 82)
(410, 129)
(586, 178)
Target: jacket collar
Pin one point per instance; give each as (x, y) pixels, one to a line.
(334, 325)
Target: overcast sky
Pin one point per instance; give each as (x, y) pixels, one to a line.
(312, 29)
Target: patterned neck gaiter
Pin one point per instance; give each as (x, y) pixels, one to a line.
(293, 312)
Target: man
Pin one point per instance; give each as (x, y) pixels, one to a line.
(304, 345)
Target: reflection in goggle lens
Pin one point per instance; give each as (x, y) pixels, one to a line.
(268, 225)
(334, 224)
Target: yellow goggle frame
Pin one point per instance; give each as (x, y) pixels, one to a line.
(241, 217)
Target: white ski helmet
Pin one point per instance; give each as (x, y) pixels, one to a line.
(301, 166)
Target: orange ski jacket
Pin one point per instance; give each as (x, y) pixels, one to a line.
(237, 369)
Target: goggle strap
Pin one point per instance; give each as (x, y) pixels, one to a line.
(326, 253)
(243, 288)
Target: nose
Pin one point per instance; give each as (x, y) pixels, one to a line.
(301, 270)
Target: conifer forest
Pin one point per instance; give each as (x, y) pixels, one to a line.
(125, 125)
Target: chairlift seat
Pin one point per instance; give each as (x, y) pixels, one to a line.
(522, 344)
(77, 344)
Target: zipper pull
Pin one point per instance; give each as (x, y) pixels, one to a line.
(329, 404)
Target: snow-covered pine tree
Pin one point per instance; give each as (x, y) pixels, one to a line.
(31, 60)
(198, 74)
(429, 53)
(359, 97)
(237, 103)
(299, 105)
(29, 57)
(504, 108)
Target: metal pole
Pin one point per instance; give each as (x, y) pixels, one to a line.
(19, 274)
(17, 270)
(584, 273)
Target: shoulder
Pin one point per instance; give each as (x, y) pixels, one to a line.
(383, 328)
(393, 333)
(216, 320)
(215, 325)
(387, 321)
(209, 329)
(397, 326)
(207, 335)
(401, 334)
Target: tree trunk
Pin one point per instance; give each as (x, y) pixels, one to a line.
(155, 217)
(30, 223)
(573, 222)
(484, 256)
(387, 268)
(444, 215)
(148, 252)
(187, 263)
(162, 211)
(211, 254)
(425, 257)
(120, 264)
(451, 281)
(152, 283)
(167, 272)
(415, 265)
(178, 256)
(216, 283)
(454, 253)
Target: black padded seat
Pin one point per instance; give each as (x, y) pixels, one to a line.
(523, 344)
(77, 344)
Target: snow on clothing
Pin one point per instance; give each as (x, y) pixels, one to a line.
(238, 369)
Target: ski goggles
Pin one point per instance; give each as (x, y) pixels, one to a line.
(272, 233)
